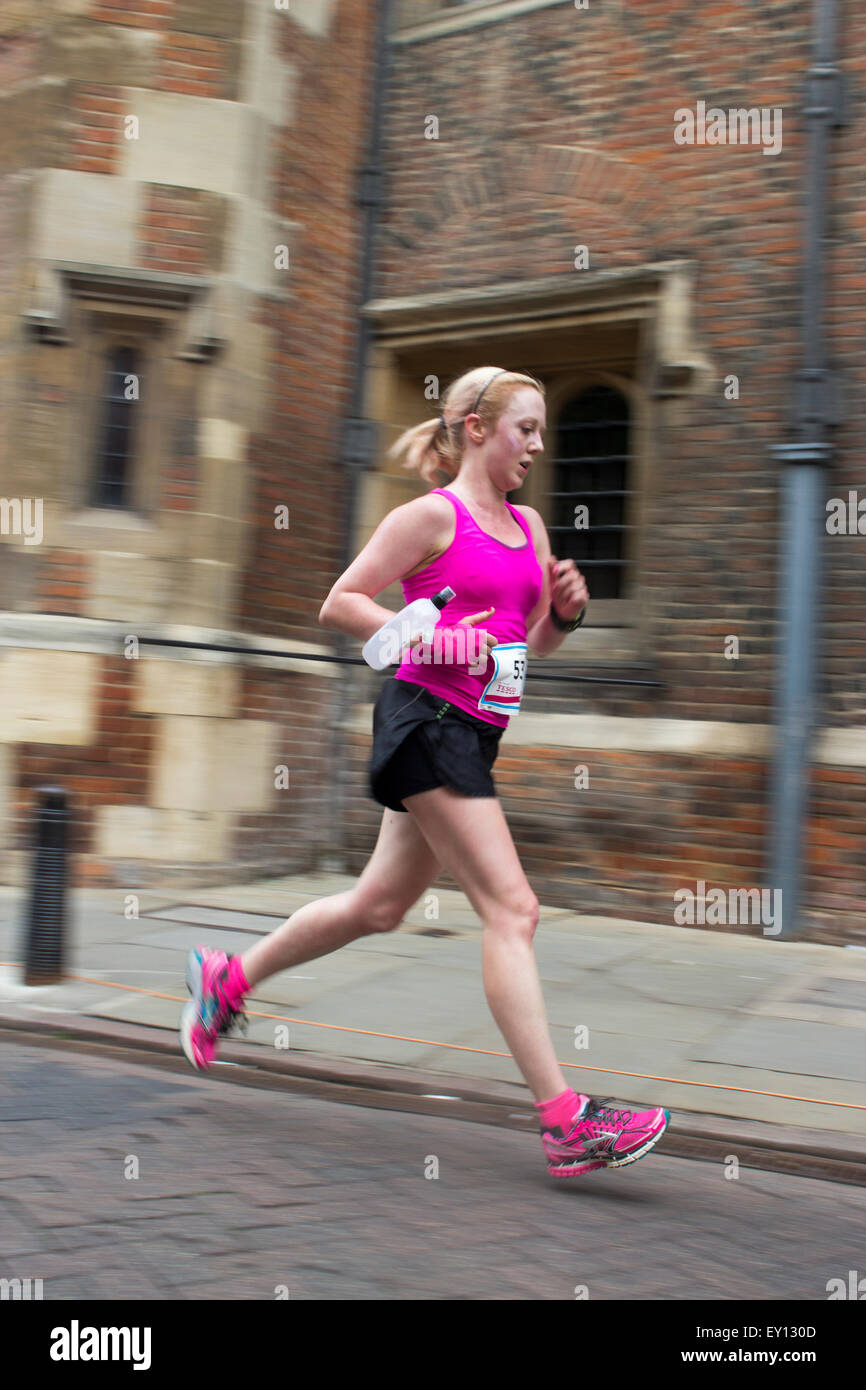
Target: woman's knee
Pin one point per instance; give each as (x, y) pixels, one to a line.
(517, 916)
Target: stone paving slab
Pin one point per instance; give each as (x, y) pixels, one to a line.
(259, 922)
(817, 1051)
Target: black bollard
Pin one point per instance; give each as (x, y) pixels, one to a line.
(46, 922)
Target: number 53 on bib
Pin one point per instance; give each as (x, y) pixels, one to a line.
(504, 690)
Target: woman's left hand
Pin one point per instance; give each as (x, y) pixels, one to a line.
(568, 592)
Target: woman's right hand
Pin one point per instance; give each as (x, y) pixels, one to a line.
(477, 647)
(487, 637)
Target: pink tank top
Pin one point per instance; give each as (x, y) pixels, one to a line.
(484, 573)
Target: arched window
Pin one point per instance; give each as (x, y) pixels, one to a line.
(590, 469)
(115, 454)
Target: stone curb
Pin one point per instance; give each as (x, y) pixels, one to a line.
(708, 1138)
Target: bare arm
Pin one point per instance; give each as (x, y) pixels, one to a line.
(400, 543)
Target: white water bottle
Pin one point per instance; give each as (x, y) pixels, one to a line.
(388, 643)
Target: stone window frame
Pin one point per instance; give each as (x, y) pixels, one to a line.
(87, 307)
(104, 328)
(657, 300)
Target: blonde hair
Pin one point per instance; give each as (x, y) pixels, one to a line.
(430, 448)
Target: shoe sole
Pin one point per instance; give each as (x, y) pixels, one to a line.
(640, 1153)
(190, 1016)
(562, 1170)
(572, 1171)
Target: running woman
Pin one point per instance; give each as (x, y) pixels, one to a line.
(436, 731)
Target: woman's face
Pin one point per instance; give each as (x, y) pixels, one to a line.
(517, 438)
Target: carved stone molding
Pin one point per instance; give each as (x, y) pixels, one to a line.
(661, 293)
(56, 283)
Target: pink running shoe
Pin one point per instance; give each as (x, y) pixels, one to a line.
(602, 1136)
(210, 1012)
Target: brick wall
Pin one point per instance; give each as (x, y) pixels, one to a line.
(481, 205)
(62, 582)
(198, 65)
(296, 461)
(199, 49)
(175, 230)
(96, 119)
(139, 14)
(118, 769)
(293, 834)
(113, 770)
(556, 129)
(648, 825)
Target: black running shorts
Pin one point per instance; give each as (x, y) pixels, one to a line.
(421, 741)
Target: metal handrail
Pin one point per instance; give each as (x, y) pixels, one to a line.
(359, 661)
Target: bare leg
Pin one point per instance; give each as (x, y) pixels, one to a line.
(471, 840)
(401, 867)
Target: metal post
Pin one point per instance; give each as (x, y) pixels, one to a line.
(360, 436)
(802, 522)
(44, 943)
(805, 458)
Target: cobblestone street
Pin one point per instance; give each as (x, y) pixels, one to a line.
(241, 1191)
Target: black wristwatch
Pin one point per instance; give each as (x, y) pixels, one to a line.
(565, 626)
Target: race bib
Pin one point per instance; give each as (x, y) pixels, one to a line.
(503, 691)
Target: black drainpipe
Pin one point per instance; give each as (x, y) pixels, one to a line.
(358, 443)
(803, 514)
